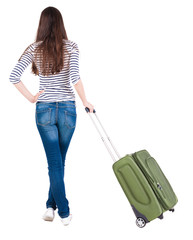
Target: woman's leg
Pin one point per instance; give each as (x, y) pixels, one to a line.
(66, 126)
(45, 119)
(65, 136)
(51, 202)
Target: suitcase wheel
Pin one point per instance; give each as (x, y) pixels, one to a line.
(172, 210)
(140, 222)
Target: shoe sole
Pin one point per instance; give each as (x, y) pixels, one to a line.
(48, 219)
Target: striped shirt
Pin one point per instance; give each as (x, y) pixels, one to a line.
(58, 87)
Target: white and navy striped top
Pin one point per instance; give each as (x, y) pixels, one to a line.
(58, 87)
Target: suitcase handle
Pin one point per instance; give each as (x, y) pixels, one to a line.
(88, 110)
(105, 143)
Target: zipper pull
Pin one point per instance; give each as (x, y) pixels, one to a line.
(159, 186)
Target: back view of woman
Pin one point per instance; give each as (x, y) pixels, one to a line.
(56, 60)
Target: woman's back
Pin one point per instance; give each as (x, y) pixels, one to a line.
(58, 86)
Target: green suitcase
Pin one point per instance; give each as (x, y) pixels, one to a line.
(143, 182)
(145, 186)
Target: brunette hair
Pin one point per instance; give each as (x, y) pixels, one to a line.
(50, 35)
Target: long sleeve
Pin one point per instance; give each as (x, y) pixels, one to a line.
(22, 64)
(74, 64)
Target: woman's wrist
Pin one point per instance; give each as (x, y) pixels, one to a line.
(85, 102)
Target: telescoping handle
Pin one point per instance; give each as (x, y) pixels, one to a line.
(103, 139)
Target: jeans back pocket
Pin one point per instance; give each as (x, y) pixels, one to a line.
(70, 119)
(43, 117)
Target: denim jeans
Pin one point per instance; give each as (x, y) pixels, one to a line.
(56, 124)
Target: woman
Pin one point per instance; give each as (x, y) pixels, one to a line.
(56, 60)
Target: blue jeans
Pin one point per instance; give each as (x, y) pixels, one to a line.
(56, 124)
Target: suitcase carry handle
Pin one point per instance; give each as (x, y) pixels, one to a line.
(105, 143)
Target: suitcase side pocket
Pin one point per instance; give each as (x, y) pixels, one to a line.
(136, 188)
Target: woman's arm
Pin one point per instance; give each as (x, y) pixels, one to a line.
(17, 72)
(80, 90)
(25, 92)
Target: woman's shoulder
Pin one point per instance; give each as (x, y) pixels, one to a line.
(69, 41)
(72, 44)
(33, 46)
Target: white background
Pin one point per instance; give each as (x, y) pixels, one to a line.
(136, 61)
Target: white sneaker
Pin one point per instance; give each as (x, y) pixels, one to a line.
(49, 215)
(66, 220)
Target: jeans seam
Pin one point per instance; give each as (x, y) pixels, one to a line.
(56, 114)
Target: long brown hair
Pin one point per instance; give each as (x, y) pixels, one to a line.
(50, 34)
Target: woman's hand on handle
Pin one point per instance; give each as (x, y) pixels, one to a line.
(89, 105)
